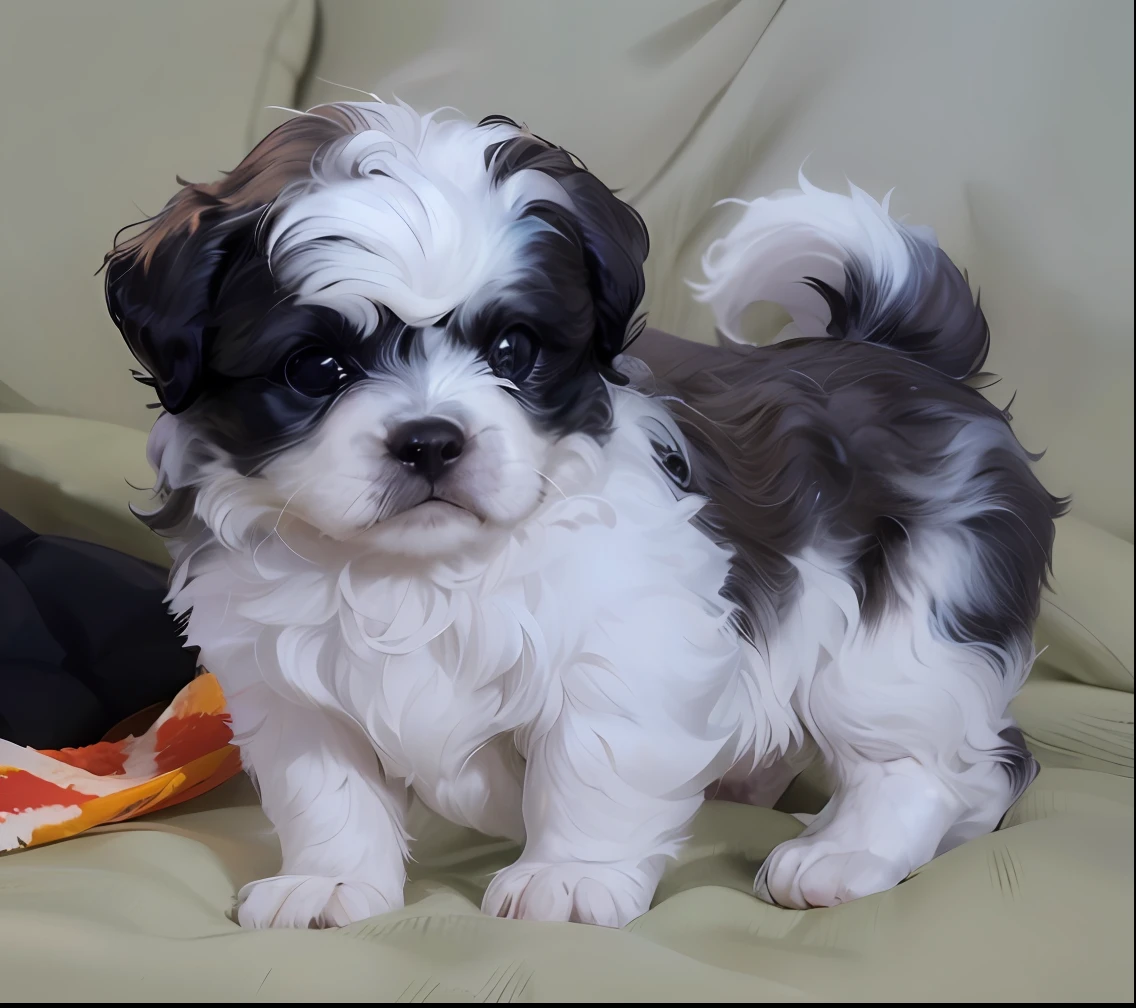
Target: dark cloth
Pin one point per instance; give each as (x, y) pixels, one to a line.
(85, 639)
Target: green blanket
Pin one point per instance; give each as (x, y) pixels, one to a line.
(1039, 911)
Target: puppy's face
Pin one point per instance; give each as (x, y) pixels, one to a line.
(386, 324)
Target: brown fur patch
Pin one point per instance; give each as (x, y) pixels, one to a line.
(282, 157)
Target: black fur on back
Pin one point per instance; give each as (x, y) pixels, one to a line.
(839, 446)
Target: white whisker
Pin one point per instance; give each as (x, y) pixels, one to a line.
(551, 481)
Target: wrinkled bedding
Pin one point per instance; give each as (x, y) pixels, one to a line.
(1039, 911)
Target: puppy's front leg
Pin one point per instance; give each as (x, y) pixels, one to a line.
(606, 800)
(339, 821)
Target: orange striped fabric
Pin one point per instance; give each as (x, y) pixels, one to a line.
(49, 794)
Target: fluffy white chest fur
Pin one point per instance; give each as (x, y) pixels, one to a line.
(607, 602)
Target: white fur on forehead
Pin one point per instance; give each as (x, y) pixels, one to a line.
(404, 215)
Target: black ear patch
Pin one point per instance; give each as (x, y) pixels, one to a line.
(161, 309)
(611, 233)
(162, 305)
(615, 248)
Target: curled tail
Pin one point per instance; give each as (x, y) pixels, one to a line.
(843, 268)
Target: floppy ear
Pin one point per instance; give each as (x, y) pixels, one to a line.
(615, 248)
(160, 297)
(161, 283)
(612, 233)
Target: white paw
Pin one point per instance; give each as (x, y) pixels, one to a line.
(604, 894)
(811, 871)
(310, 901)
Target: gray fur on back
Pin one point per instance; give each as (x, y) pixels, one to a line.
(836, 445)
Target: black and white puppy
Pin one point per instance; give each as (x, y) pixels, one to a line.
(432, 529)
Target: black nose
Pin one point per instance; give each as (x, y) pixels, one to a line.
(427, 446)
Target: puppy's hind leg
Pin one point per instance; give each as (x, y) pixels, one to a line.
(913, 724)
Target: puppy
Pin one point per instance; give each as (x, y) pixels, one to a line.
(434, 530)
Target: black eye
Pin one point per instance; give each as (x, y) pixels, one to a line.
(314, 373)
(512, 355)
(676, 465)
(673, 462)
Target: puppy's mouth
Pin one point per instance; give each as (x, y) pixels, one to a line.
(440, 500)
(434, 501)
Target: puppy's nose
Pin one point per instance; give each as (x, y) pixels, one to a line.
(427, 446)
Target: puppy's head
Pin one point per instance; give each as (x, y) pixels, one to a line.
(384, 323)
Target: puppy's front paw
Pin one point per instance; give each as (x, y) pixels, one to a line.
(310, 901)
(812, 871)
(608, 895)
